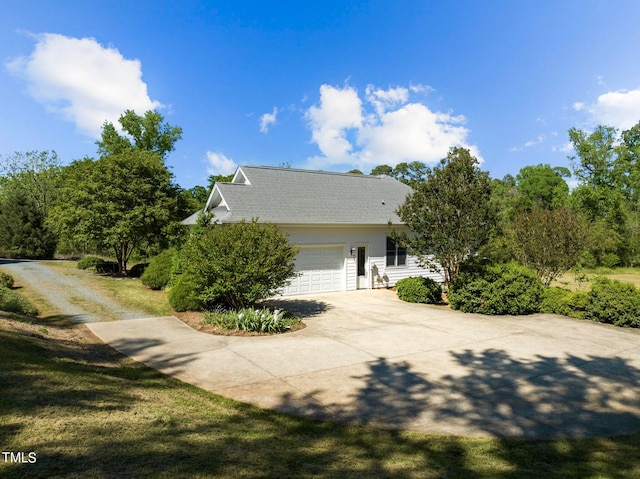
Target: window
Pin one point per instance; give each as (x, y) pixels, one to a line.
(396, 255)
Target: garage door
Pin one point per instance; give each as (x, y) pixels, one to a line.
(322, 270)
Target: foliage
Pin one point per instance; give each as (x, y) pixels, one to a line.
(615, 302)
(564, 302)
(6, 280)
(184, 294)
(137, 270)
(89, 262)
(143, 133)
(542, 187)
(450, 213)
(23, 232)
(507, 288)
(158, 273)
(237, 264)
(254, 320)
(548, 241)
(13, 302)
(419, 290)
(118, 202)
(107, 267)
(409, 173)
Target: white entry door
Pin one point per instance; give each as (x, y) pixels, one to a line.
(362, 266)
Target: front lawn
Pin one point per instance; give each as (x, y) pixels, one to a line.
(87, 411)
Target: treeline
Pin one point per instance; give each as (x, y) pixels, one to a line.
(126, 201)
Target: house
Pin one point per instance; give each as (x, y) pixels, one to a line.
(340, 221)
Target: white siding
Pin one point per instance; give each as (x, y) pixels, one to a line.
(346, 238)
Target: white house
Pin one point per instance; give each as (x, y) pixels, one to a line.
(340, 221)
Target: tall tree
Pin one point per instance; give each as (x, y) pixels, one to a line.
(117, 202)
(449, 213)
(542, 186)
(148, 133)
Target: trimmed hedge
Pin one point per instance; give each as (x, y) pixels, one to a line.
(6, 280)
(614, 302)
(184, 294)
(137, 270)
(507, 288)
(89, 262)
(417, 289)
(12, 302)
(158, 273)
(565, 302)
(107, 267)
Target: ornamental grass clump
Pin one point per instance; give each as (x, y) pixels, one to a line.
(252, 320)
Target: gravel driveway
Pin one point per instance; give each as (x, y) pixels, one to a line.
(60, 289)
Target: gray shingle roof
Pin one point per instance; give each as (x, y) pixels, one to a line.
(291, 196)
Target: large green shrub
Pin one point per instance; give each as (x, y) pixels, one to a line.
(137, 270)
(89, 262)
(158, 273)
(107, 267)
(237, 264)
(507, 288)
(419, 290)
(184, 294)
(564, 302)
(615, 302)
(6, 280)
(13, 302)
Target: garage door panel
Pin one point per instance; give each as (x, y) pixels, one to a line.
(321, 270)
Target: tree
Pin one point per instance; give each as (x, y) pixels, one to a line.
(355, 171)
(449, 213)
(542, 186)
(23, 233)
(117, 202)
(549, 241)
(382, 170)
(235, 265)
(147, 133)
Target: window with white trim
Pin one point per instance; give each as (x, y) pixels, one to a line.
(396, 254)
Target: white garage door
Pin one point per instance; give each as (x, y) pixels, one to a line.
(322, 270)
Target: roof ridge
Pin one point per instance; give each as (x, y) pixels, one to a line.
(301, 170)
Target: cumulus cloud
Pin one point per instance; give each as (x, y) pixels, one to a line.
(620, 109)
(219, 164)
(83, 81)
(384, 128)
(267, 120)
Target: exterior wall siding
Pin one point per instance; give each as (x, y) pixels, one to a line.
(379, 275)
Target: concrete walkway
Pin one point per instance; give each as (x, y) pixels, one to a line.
(366, 357)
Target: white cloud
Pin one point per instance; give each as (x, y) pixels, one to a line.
(83, 81)
(620, 109)
(387, 129)
(578, 106)
(267, 120)
(340, 110)
(219, 164)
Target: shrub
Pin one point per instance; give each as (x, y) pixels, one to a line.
(137, 270)
(12, 302)
(158, 273)
(611, 301)
(419, 290)
(255, 320)
(89, 262)
(6, 280)
(184, 294)
(237, 264)
(507, 288)
(564, 302)
(107, 267)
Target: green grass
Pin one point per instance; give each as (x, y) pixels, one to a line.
(87, 411)
(580, 282)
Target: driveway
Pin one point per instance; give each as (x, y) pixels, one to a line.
(368, 358)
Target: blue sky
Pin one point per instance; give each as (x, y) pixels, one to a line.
(326, 85)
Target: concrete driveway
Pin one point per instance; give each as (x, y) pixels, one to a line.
(368, 358)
